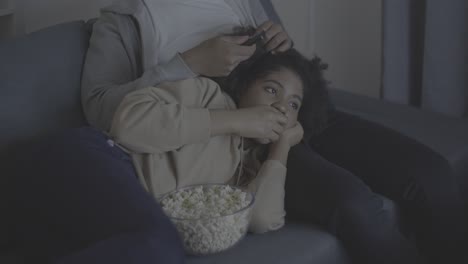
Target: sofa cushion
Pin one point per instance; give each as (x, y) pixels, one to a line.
(446, 135)
(40, 82)
(39, 90)
(294, 243)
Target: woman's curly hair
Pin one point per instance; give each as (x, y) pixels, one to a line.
(313, 114)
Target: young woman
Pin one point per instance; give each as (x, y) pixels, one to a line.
(190, 132)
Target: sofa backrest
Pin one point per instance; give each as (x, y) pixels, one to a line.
(40, 76)
(40, 80)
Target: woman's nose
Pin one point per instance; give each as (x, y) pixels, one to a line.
(280, 106)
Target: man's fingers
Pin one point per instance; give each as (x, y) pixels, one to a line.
(286, 45)
(273, 31)
(243, 51)
(236, 48)
(239, 40)
(264, 27)
(276, 41)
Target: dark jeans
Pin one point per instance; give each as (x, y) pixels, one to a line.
(333, 180)
(76, 199)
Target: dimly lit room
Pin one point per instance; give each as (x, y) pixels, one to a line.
(233, 131)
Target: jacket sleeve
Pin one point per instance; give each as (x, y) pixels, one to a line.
(113, 68)
(160, 119)
(268, 212)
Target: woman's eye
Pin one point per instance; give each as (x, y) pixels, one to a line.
(295, 106)
(271, 90)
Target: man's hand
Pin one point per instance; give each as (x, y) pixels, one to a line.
(276, 38)
(217, 57)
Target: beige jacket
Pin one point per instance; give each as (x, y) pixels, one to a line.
(167, 131)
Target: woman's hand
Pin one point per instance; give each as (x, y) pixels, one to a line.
(217, 57)
(279, 149)
(276, 38)
(260, 122)
(293, 135)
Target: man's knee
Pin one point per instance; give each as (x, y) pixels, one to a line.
(359, 214)
(432, 183)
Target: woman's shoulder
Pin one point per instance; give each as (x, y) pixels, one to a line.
(200, 89)
(200, 82)
(214, 88)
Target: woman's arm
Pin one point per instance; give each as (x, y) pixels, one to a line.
(268, 212)
(260, 122)
(113, 68)
(268, 186)
(165, 118)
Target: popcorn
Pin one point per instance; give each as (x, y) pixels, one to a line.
(209, 218)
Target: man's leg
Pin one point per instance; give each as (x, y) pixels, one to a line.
(321, 192)
(77, 199)
(419, 180)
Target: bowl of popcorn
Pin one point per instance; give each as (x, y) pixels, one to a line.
(209, 218)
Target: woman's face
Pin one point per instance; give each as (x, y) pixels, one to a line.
(281, 89)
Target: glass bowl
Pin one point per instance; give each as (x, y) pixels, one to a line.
(210, 218)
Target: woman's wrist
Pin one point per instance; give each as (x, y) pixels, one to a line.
(222, 122)
(279, 151)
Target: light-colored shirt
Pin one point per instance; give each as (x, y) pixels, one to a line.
(166, 129)
(183, 24)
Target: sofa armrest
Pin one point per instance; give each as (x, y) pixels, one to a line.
(445, 135)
